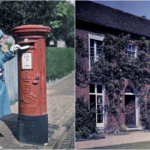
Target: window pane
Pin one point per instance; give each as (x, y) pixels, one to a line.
(129, 53)
(99, 100)
(91, 51)
(99, 118)
(92, 101)
(129, 47)
(92, 55)
(91, 43)
(99, 51)
(133, 54)
(100, 109)
(99, 88)
(92, 88)
(98, 44)
(133, 48)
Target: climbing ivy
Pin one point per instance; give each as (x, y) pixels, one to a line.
(114, 68)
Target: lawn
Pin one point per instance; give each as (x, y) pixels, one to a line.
(59, 62)
(139, 145)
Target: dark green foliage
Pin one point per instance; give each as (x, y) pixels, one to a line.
(85, 119)
(145, 109)
(81, 53)
(66, 25)
(16, 13)
(59, 62)
(58, 15)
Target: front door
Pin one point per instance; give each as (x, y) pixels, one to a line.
(130, 120)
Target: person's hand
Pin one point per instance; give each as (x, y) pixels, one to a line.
(14, 47)
(17, 46)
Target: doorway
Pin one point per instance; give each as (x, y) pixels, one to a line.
(130, 114)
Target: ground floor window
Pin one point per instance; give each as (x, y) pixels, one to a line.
(97, 101)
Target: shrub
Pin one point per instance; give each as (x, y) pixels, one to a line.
(123, 128)
(85, 119)
(145, 114)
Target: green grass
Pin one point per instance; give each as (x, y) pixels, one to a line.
(59, 62)
(139, 145)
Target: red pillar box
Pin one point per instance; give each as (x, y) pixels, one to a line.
(32, 117)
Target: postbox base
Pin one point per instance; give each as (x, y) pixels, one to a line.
(33, 129)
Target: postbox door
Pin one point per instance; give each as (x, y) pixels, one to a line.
(30, 76)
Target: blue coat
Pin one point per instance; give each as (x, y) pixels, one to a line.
(4, 99)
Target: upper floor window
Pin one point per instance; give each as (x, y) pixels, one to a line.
(95, 50)
(131, 51)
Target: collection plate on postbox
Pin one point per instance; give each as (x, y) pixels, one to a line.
(26, 58)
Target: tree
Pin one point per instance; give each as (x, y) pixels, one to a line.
(48, 13)
(63, 25)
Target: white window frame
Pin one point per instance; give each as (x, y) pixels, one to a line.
(94, 37)
(100, 125)
(136, 47)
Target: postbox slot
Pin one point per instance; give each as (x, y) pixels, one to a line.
(31, 44)
(24, 44)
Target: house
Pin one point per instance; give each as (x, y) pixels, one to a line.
(59, 43)
(93, 22)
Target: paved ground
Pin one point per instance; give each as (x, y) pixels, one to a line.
(110, 140)
(60, 107)
(68, 142)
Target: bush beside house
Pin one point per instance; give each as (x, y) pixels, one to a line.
(85, 119)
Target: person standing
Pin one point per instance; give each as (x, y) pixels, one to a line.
(4, 57)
